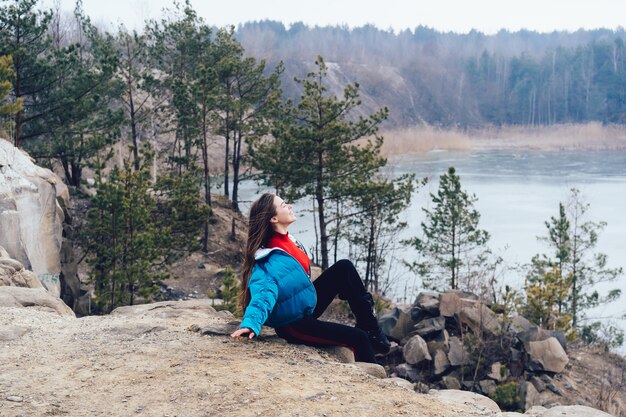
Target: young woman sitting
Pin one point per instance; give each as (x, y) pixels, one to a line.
(277, 290)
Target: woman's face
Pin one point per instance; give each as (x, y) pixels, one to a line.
(284, 215)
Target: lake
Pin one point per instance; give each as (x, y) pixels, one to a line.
(517, 191)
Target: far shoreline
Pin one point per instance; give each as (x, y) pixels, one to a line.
(583, 137)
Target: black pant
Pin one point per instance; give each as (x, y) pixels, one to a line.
(343, 280)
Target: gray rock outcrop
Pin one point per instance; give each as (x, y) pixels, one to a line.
(13, 274)
(33, 209)
(37, 298)
(456, 341)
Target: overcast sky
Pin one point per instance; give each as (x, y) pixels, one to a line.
(487, 16)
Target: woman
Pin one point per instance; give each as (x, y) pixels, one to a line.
(277, 291)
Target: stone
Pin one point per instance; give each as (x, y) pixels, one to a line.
(167, 309)
(438, 342)
(428, 326)
(468, 385)
(554, 389)
(451, 382)
(13, 274)
(498, 372)
(428, 301)
(512, 414)
(520, 324)
(535, 411)
(397, 323)
(34, 298)
(440, 363)
(480, 319)
(398, 382)
(548, 355)
(416, 351)
(15, 398)
(340, 354)
(517, 362)
(529, 395)
(8, 333)
(372, 369)
(452, 302)
(408, 372)
(539, 385)
(537, 334)
(31, 215)
(457, 355)
(574, 411)
(417, 314)
(470, 402)
(421, 388)
(487, 386)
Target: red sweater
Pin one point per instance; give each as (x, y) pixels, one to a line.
(285, 243)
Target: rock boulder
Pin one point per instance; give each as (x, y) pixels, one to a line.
(13, 274)
(31, 215)
(416, 351)
(33, 297)
(547, 355)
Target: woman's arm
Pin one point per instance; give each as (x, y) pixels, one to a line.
(264, 293)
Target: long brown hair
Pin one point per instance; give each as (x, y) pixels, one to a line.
(259, 233)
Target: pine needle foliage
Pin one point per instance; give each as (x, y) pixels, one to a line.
(452, 245)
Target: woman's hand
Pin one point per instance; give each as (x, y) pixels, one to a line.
(242, 332)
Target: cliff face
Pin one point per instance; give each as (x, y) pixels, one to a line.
(31, 215)
(175, 359)
(34, 222)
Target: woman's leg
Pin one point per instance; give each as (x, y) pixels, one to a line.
(313, 332)
(343, 280)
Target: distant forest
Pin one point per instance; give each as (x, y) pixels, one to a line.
(464, 80)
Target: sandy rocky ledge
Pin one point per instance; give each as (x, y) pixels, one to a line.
(175, 359)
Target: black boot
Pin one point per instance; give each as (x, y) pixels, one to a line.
(363, 309)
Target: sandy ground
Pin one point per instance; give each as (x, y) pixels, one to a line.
(151, 360)
(153, 365)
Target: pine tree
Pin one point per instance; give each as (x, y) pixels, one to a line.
(7, 107)
(24, 36)
(573, 238)
(314, 150)
(246, 100)
(140, 92)
(544, 301)
(371, 229)
(122, 240)
(452, 245)
(179, 46)
(134, 230)
(87, 91)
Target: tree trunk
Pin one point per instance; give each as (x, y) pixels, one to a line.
(18, 94)
(207, 178)
(226, 155)
(323, 233)
(319, 195)
(236, 162)
(133, 127)
(369, 265)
